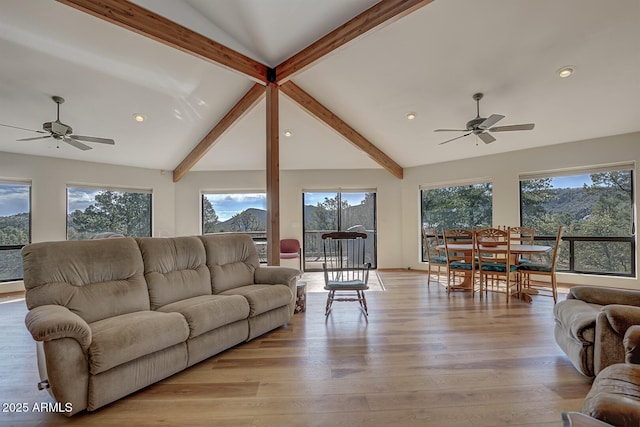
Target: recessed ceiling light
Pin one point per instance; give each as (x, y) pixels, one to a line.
(411, 116)
(287, 133)
(139, 117)
(566, 71)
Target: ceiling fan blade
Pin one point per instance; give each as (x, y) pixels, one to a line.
(18, 127)
(34, 138)
(486, 138)
(525, 126)
(76, 144)
(492, 120)
(457, 137)
(93, 139)
(451, 130)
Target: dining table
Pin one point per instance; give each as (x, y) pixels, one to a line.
(515, 249)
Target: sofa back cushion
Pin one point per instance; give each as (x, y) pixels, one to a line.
(232, 260)
(175, 269)
(95, 279)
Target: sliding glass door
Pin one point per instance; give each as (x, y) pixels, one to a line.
(327, 211)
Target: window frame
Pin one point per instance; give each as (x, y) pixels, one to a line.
(569, 241)
(3, 248)
(257, 235)
(435, 186)
(100, 188)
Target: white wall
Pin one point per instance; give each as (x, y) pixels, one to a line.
(177, 206)
(504, 171)
(49, 178)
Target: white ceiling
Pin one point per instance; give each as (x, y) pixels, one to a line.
(429, 62)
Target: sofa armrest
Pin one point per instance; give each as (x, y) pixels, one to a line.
(621, 317)
(51, 322)
(604, 296)
(612, 323)
(632, 345)
(276, 275)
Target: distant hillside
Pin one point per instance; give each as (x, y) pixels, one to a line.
(575, 201)
(14, 229)
(249, 220)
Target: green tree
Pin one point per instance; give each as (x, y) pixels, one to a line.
(246, 221)
(457, 207)
(209, 217)
(127, 213)
(14, 229)
(325, 215)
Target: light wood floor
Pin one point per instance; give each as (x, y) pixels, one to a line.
(423, 359)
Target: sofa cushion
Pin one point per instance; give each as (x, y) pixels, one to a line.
(95, 279)
(578, 318)
(175, 269)
(263, 298)
(120, 339)
(232, 260)
(208, 312)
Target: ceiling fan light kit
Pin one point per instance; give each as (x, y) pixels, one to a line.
(479, 126)
(60, 131)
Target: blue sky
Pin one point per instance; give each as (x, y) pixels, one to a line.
(572, 181)
(314, 198)
(227, 205)
(80, 198)
(15, 199)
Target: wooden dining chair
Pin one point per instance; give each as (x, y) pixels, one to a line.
(544, 269)
(460, 264)
(522, 236)
(435, 257)
(495, 263)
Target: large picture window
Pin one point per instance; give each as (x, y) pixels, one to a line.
(460, 206)
(596, 209)
(235, 212)
(91, 211)
(15, 227)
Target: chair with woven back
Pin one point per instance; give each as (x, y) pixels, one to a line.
(435, 257)
(460, 264)
(497, 265)
(543, 269)
(345, 271)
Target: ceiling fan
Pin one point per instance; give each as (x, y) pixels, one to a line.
(60, 131)
(480, 125)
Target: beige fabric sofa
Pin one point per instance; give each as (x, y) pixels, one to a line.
(590, 325)
(115, 315)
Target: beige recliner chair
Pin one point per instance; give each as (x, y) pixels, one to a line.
(590, 325)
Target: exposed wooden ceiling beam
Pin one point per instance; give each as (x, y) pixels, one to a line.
(323, 114)
(382, 13)
(144, 22)
(273, 175)
(246, 103)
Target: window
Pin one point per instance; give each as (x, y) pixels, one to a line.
(596, 208)
(337, 211)
(463, 206)
(237, 212)
(93, 210)
(15, 227)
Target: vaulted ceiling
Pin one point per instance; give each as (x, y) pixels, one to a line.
(428, 62)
